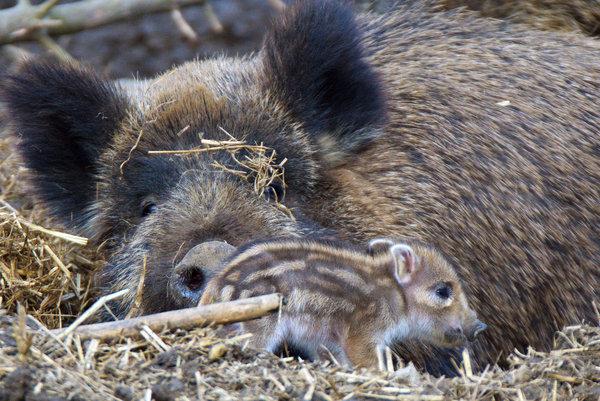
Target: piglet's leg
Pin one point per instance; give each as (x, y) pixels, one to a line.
(362, 351)
(334, 352)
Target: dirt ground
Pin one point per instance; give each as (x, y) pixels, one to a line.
(197, 365)
(151, 44)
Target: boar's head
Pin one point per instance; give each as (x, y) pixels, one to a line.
(309, 94)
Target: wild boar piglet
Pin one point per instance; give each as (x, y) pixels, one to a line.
(345, 303)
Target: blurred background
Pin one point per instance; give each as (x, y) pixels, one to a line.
(148, 44)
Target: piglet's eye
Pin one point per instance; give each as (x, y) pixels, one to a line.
(148, 208)
(443, 291)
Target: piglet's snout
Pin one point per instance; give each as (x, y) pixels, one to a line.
(474, 329)
(454, 336)
(200, 264)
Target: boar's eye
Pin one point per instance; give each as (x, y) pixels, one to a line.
(275, 192)
(443, 291)
(148, 208)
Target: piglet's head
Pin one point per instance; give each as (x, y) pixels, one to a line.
(435, 306)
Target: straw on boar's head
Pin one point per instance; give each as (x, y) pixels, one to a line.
(308, 95)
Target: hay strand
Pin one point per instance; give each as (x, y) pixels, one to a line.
(57, 234)
(259, 163)
(90, 312)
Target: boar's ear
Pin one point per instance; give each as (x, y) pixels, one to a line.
(64, 116)
(315, 63)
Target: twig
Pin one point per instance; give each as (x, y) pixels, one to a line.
(312, 385)
(137, 303)
(49, 44)
(45, 8)
(153, 339)
(133, 148)
(563, 378)
(23, 339)
(25, 19)
(277, 5)
(61, 333)
(380, 359)
(211, 146)
(213, 20)
(64, 236)
(407, 397)
(57, 260)
(185, 28)
(388, 359)
(89, 354)
(468, 369)
(221, 313)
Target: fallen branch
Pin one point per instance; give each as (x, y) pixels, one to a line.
(21, 22)
(221, 313)
(93, 309)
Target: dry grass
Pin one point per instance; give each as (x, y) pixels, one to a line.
(49, 275)
(45, 270)
(186, 365)
(256, 162)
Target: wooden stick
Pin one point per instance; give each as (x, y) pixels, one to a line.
(19, 22)
(185, 29)
(278, 5)
(220, 313)
(213, 20)
(60, 333)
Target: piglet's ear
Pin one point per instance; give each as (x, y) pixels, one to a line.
(405, 262)
(378, 245)
(64, 116)
(316, 64)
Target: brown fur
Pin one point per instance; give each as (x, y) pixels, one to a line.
(344, 300)
(550, 15)
(476, 136)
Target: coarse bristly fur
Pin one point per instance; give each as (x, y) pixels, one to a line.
(345, 301)
(551, 15)
(477, 136)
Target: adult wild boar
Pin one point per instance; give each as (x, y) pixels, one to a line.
(476, 136)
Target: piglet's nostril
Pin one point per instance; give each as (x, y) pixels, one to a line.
(192, 278)
(187, 284)
(477, 328)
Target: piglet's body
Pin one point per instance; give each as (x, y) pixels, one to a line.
(345, 303)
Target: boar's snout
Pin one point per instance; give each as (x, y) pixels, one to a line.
(199, 265)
